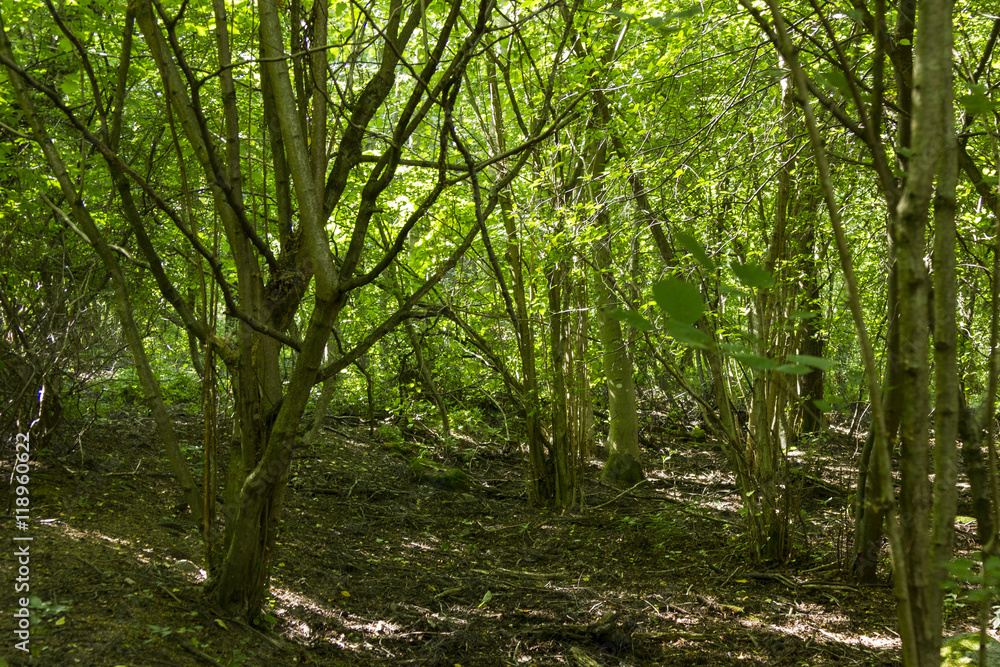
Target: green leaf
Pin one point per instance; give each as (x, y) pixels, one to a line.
(794, 369)
(752, 275)
(70, 86)
(688, 335)
(802, 315)
(757, 362)
(679, 299)
(815, 362)
(835, 80)
(822, 406)
(774, 74)
(693, 246)
(617, 13)
(748, 358)
(978, 101)
(735, 291)
(631, 318)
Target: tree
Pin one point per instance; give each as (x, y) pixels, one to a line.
(921, 542)
(294, 127)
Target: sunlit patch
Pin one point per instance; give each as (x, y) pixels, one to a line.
(294, 599)
(419, 545)
(78, 534)
(873, 641)
(298, 628)
(800, 629)
(142, 554)
(381, 628)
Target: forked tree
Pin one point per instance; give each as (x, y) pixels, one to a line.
(287, 132)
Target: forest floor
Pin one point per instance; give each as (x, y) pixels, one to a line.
(377, 567)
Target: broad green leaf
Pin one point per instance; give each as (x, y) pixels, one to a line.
(834, 80)
(679, 299)
(815, 362)
(802, 315)
(631, 318)
(775, 74)
(745, 356)
(978, 101)
(688, 335)
(734, 348)
(752, 275)
(693, 246)
(794, 369)
(735, 291)
(822, 406)
(70, 86)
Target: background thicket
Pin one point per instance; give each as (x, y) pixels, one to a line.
(531, 223)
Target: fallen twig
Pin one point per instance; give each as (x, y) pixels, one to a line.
(636, 485)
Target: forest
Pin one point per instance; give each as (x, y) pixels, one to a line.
(479, 332)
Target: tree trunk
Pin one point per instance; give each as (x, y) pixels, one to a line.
(810, 385)
(623, 465)
(868, 520)
(562, 441)
(928, 529)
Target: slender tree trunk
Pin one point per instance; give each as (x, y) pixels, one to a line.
(623, 465)
(928, 525)
(539, 476)
(538, 473)
(562, 441)
(810, 388)
(869, 521)
(581, 379)
(326, 395)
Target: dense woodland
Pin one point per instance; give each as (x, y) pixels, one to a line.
(553, 258)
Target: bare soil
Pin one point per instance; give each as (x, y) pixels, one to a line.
(376, 567)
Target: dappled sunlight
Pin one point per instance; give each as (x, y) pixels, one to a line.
(550, 575)
(83, 533)
(377, 568)
(870, 641)
(145, 555)
(814, 626)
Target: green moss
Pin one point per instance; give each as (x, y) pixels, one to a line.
(442, 477)
(400, 450)
(451, 479)
(421, 468)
